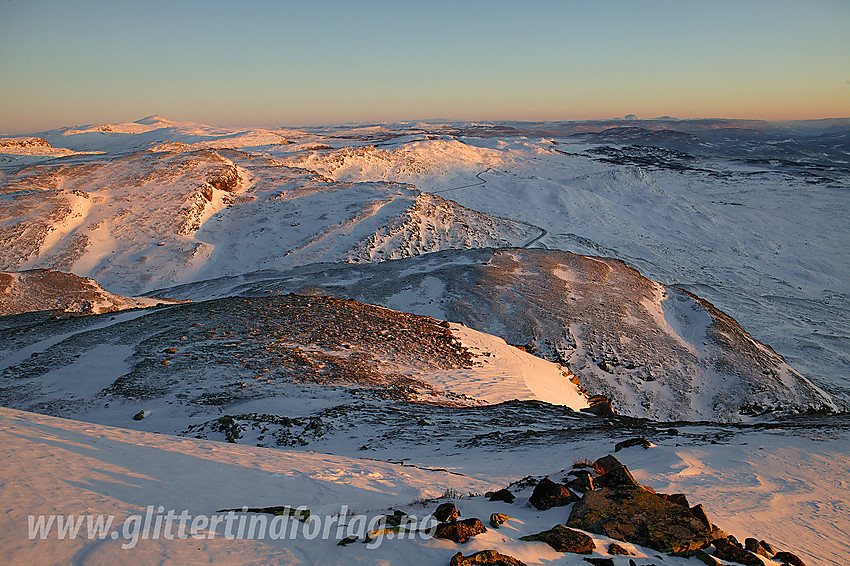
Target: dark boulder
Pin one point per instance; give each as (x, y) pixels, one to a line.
(788, 558)
(618, 477)
(446, 512)
(563, 539)
(601, 406)
(680, 499)
(460, 531)
(548, 494)
(615, 548)
(503, 495)
(583, 482)
(485, 558)
(639, 441)
(727, 550)
(635, 515)
(758, 547)
(607, 463)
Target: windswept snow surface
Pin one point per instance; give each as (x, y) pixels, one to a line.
(787, 489)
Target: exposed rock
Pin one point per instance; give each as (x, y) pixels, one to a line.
(23, 142)
(607, 463)
(726, 550)
(396, 519)
(485, 558)
(759, 547)
(788, 558)
(680, 499)
(601, 406)
(615, 548)
(347, 540)
(446, 512)
(498, 519)
(548, 494)
(139, 416)
(563, 539)
(600, 561)
(706, 558)
(618, 477)
(583, 481)
(639, 441)
(698, 511)
(503, 495)
(635, 515)
(460, 531)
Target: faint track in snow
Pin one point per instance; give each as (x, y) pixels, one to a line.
(543, 231)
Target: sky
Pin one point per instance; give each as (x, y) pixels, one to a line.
(319, 62)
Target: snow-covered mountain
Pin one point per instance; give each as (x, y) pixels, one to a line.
(657, 350)
(520, 269)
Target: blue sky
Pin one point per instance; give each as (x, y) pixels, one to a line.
(323, 62)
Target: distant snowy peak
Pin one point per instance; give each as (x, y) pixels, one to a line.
(144, 125)
(438, 159)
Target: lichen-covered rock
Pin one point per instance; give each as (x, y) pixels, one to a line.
(635, 515)
(726, 550)
(563, 539)
(446, 512)
(548, 494)
(460, 531)
(498, 519)
(485, 558)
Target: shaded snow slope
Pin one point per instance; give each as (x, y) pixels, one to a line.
(46, 290)
(659, 352)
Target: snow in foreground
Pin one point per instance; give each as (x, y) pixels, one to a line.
(785, 488)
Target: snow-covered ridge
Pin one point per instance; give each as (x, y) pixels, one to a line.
(658, 351)
(186, 364)
(154, 218)
(46, 290)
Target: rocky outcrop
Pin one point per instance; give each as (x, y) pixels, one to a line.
(563, 539)
(502, 495)
(23, 142)
(446, 512)
(460, 531)
(548, 494)
(624, 510)
(485, 558)
(726, 550)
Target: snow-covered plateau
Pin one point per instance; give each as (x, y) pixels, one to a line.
(373, 320)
